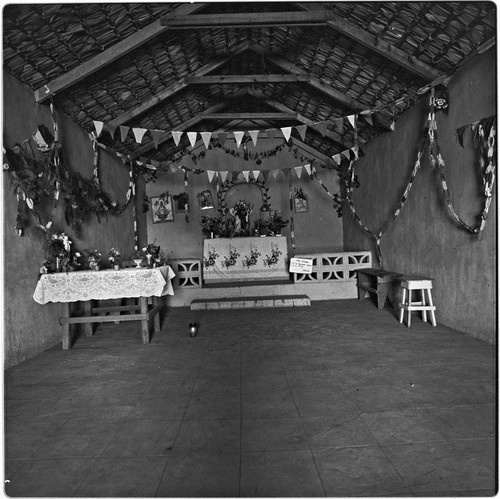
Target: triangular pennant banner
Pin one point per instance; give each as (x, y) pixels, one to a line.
(111, 129)
(298, 171)
(98, 127)
(287, 131)
(322, 127)
(337, 158)
(308, 169)
(346, 153)
(352, 120)
(156, 134)
(254, 134)
(139, 134)
(302, 131)
(206, 136)
(246, 175)
(275, 173)
(355, 150)
(222, 138)
(265, 174)
(192, 138)
(211, 175)
(256, 174)
(368, 116)
(177, 137)
(339, 123)
(124, 132)
(223, 175)
(238, 136)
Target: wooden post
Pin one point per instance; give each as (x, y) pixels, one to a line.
(66, 327)
(156, 304)
(88, 326)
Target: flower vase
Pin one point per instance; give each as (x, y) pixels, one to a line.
(149, 261)
(58, 264)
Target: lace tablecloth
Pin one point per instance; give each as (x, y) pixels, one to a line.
(104, 284)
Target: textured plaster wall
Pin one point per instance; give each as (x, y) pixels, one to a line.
(29, 327)
(424, 239)
(318, 230)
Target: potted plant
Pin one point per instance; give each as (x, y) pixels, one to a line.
(113, 257)
(211, 226)
(277, 223)
(94, 259)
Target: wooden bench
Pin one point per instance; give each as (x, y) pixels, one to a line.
(375, 281)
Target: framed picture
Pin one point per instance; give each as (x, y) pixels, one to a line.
(162, 209)
(205, 200)
(301, 204)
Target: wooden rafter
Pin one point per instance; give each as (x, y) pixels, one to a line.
(331, 92)
(381, 47)
(176, 87)
(334, 137)
(235, 79)
(246, 20)
(250, 116)
(109, 55)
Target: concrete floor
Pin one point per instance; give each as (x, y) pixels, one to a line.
(335, 399)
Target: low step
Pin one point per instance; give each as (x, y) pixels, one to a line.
(251, 302)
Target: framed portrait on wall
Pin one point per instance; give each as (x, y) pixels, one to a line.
(162, 209)
(205, 200)
(301, 204)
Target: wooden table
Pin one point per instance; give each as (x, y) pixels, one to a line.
(376, 281)
(88, 286)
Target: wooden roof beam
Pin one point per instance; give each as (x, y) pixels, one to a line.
(316, 83)
(250, 116)
(246, 19)
(109, 55)
(235, 79)
(177, 87)
(381, 47)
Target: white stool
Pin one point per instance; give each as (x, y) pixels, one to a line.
(424, 284)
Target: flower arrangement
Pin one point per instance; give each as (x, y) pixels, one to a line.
(113, 255)
(58, 245)
(211, 225)
(152, 252)
(241, 211)
(94, 258)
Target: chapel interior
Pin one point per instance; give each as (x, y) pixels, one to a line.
(250, 249)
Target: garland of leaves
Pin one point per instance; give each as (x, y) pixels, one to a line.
(224, 188)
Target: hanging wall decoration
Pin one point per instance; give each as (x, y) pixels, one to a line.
(162, 209)
(300, 202)
(205, 201)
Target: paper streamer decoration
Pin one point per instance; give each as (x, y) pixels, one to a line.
(238, 136)
(192, 138)
(352, 120)
(253, 134)
(177, 137)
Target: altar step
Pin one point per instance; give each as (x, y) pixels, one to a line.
(251, 302)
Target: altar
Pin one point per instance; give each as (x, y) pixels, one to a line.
(245, 259)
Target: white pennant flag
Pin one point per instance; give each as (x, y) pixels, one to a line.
(98, 127)
(192, 138)
(275, 173)
(254, 134)
(206, 136)
(346, 154)
(246, 175)
(256, 174)
(298, 171)
(352, 120)
(308, 169)
(211, 175)
(223, 175)
(177, 137)
(139, 134)
(287, 131)
(238, 137)
(337, 158)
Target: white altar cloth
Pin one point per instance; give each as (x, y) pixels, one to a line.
(106, 284)
(245, 259)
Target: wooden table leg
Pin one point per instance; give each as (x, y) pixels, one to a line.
(145, 322)
(156, 303)
(88, 327)
(66, 328)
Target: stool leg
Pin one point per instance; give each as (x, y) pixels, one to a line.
(401, 307)
(432, 311)
(424, 312)
(409, 308)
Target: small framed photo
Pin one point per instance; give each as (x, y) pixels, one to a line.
(205, 200)
(162, 209)
(301, 204)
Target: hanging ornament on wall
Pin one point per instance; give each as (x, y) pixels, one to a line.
(441, 100)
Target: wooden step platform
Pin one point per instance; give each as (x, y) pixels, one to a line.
(251, 302)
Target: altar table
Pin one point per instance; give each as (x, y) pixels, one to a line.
(245, 259)
(89, 285)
